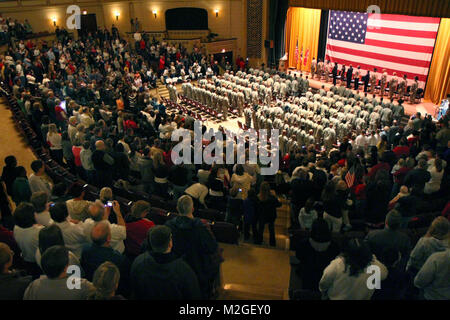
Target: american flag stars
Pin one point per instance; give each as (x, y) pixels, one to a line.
(348, 27)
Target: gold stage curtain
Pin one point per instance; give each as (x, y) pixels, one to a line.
(438, 85)
(302, 24)
(428, 8)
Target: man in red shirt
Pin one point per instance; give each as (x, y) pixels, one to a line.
(137, 227)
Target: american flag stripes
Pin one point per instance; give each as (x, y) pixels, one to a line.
(350, 177)
(397, 43)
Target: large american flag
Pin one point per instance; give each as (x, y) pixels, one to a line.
(397, 43)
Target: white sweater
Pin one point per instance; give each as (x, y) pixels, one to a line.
(337, 284)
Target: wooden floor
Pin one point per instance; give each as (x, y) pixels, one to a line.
(11, 141)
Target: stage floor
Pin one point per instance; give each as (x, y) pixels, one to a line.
(410, 109)
(425, 107)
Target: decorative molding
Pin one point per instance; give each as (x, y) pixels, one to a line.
(254, 28)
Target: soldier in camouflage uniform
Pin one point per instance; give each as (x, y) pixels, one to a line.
(402, 88)
(413, 90)
(373, 81)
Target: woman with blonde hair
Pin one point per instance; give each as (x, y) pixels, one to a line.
(106, 281)
(435, 240)
(54, 140)
(106, 195)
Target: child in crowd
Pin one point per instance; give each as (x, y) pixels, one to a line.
(307, 215)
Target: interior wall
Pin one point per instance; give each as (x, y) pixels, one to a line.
(229, 23)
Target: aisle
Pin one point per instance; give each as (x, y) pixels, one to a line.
(11, 141)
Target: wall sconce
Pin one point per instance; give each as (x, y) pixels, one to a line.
(84, 12)
(54, 21)
(155, 13)
(217, 12)
(117, 15)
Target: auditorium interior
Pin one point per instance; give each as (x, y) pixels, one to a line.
(96, 95)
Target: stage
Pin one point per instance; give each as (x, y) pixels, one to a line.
(424, 107)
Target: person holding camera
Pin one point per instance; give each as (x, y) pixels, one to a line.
(100, 212)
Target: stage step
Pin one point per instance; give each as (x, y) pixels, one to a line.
(281, 225)
(162, 90)
(234, 291)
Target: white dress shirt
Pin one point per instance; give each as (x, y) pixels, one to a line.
(37, 183)
(43, 218)
(28, 241)
(118, 233)
(74, 237)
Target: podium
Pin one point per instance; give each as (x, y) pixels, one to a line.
(282, 65)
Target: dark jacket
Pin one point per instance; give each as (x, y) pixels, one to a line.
(234, 210)
(156, 276)
(121, 165)
(145, 168)
(250, 209)
(13, 285)
(94, 255)
(21, 191)
(313, 262)
(198, 247)
(268, 209)
(394, 286)
(8, 176)
(301, 190)
(417, 177)
(378, 240)
(102, 161)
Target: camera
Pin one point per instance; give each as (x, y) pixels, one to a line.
(109, 204)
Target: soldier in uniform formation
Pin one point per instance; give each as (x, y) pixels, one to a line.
(323, 118)
(396, 86)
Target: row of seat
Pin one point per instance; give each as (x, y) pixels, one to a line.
(162, 209)
(207, 111)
